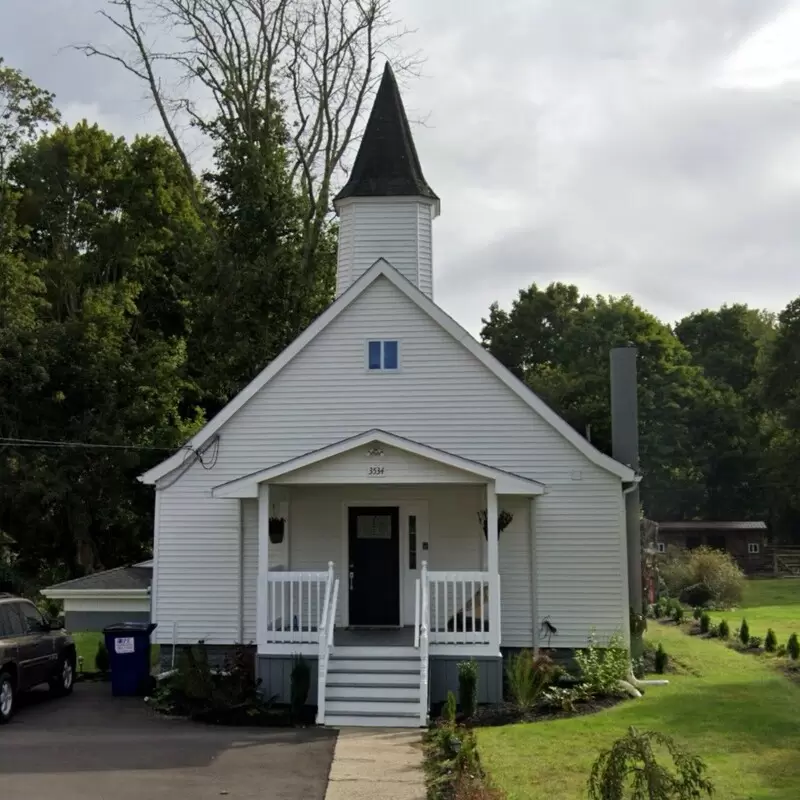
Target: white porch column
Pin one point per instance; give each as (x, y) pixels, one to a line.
(493, 564)
(263, 565)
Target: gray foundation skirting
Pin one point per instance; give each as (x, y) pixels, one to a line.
(275, 675)
(444, 678)
(216, 653)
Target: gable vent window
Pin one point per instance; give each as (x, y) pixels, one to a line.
(383, 355)
(753, 548)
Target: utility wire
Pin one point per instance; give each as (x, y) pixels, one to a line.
(49, 443)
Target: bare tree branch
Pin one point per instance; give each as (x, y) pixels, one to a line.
(313, 62)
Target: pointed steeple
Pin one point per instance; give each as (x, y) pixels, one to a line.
(387, 164)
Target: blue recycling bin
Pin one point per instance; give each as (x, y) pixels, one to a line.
(128, 645)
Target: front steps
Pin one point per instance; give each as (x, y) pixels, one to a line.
(377, 687)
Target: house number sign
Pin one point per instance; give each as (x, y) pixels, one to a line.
(376, 470)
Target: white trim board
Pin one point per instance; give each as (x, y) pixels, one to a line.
(506, 482)
(382, 268)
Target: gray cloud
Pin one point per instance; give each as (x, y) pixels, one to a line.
(591, 142)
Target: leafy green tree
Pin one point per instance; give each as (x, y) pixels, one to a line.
(558, 342)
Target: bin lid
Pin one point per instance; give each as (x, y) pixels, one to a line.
(131, 627)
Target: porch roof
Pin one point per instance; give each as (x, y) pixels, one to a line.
(505, 482)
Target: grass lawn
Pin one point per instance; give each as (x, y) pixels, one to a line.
(767, 603)
(86, 645)
(740, 714)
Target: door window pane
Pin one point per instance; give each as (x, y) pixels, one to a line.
(371, 526)
(412, 542)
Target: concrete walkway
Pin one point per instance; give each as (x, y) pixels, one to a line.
(377, 762)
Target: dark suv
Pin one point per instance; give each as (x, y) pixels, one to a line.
(32, 651)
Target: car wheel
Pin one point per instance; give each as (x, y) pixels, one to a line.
(6, 697)
(64, 678)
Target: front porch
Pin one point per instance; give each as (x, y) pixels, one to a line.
(411, 574)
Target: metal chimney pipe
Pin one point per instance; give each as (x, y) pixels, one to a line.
(625, 448)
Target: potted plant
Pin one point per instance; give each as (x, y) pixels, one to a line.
(276, 529)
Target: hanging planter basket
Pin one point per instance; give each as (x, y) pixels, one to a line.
(503, 521)
(276, 529)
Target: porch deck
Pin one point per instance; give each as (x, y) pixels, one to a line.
(374, 637)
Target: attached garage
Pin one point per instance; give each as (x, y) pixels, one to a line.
(105, 598)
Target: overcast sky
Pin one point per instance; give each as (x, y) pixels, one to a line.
(643, 147)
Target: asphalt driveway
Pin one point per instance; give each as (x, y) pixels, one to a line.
(90, 746)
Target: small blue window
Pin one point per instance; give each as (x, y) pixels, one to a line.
(390, 355)
(375, 355)
(383, 355)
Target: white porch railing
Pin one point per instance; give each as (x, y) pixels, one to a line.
(421, 633)
(295, 602)
(460, 610)
(326, 640)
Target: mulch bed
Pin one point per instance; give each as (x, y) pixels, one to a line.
(276, 716)
(508, 713)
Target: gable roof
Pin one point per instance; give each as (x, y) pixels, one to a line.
(131, 578)
(387, 164)
(382, 268)
(507, 482)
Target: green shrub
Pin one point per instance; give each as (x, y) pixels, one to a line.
(724, 630)
(744, 633)
(781, 651)
(770, 641)
(713, 631)
(101, 659)
(705, 622)
(300, 683)
(755, 642)
(629, 770)
(697, 612)
(603, 668)
(564, 698)
(661, 659)
(697, 576)
(528, 676)
(468, 686)
(678, 613)
(793, 647)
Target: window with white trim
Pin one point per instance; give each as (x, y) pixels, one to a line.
(383, 355)
(753, 548)
(661, 547)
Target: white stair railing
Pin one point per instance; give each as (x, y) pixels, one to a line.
(421, 641)
(295, 605)
(461, 608)
(326, 630)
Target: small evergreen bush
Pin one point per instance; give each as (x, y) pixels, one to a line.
(468, 686)
(300, 683)
(781, 651)
(724, 630)
(793, 647)
(697, 612)
(678, 613)
(770, 641)
(101, 659)
(705, 622)
(755, 642)
(661, 659)
(744, 633)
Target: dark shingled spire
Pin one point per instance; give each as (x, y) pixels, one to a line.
(387, 164)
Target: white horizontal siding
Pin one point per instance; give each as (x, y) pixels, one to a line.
(398, 466)
(515, 574)
(442, 397)
(398, 231)
(425, 249)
